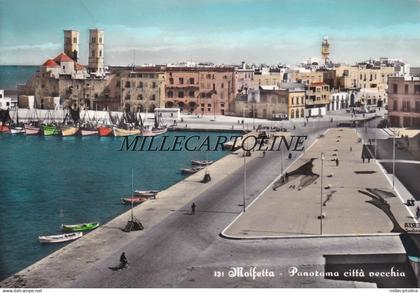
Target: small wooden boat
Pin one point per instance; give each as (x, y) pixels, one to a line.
(80, 227)
(201, 163)
(153, 132)
(133, 200)
(104, 130)
(146, 193)
(49, 129)
(88, 132)
(69, 130)
(17, 130)
(191, 170)
(60, 238)
(125, 132)
(31, 130)
(4, 128)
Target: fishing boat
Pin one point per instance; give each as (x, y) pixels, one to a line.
(191, 170)
(201, 163)
(146, 193)
(125, 132)
(80, 227)
(69, 130)
(31, 130)
(4, 128)
(17, 130)
(153, 132)
(50, 129)
(133, 200)
(104, 130)
(60, 238)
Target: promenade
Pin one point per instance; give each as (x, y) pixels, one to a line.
(356, 196)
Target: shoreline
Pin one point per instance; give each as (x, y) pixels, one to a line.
(108, 239)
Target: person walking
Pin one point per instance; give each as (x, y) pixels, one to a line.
(123, 260)
(417, 213)
(193, 206)
(363, 158)
(263, 154)
(336, 162)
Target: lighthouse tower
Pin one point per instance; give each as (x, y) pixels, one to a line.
(325, 50)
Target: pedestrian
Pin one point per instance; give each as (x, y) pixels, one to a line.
(123, 260)
(417, 213)
(369, 159)
(351, 149)
(263, 154)
(363, 158)
(336, 162)
(193, 206)
(290, 156)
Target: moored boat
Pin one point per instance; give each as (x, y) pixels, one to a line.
(31, 130)
(191, 170)
(125, 132)
(50, 129)
(80, 227)
(133, 200)
(69, 130)
(88, 132)
(147, 131)
(104, 130)
(201, 163)
(60, 237)
(146, 193)
(4, 128)
(17, 130)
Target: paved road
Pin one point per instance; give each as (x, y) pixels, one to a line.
(407, 173)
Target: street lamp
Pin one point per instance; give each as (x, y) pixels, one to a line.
(393, 162)
(243, 197)
(322, 175)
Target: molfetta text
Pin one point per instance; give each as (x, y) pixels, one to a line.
(245, 272)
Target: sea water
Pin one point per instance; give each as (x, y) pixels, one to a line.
(49, 181)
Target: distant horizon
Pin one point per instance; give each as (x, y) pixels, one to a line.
(223, 31)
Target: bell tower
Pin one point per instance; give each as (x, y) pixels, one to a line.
(325, 50)
(96, 52)
(71, 44)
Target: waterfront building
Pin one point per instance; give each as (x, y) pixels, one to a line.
(199, 90)
(338, 100)
(6, 102)
(141, 89)
(306, 77)
(96, 53)
(71, 44)
(267, 76)
(243, 79)
(317, 99)
(404, 101)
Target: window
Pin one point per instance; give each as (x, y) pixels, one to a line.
(214, 86)
(100, 53)
(192, 80)
(181, 80)
(153, 97)
(180, 94)
(222, 85)
(127, 84)
(208, 76)
(141, 84)
(171, 80)
(191, 94)
(293, 100)
(170, 94)
(74, 40)
(93, 53)
(406, 89)
(100, 40)
(395, 88)
(93, 40)
(417, 88)
(208, 105)
(395, 106)
(140, 97)
(417, 107)
(154, 85)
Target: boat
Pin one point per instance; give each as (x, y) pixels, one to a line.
(50, 129)
(60, 237)
(191, 170)
(88, 132)
(104, 130)
(69, 130)
(31, 130)
(17, 130)
(125, 132)
(146, 193)
(80, 227)
(4, 128)
(201, 163)
(133, 200)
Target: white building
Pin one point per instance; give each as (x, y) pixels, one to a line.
(338, 100)
(6, 102)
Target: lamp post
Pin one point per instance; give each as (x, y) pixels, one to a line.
(322, 175)
(243, 197)
(393, 162)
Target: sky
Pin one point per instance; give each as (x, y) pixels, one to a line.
(219, 31)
